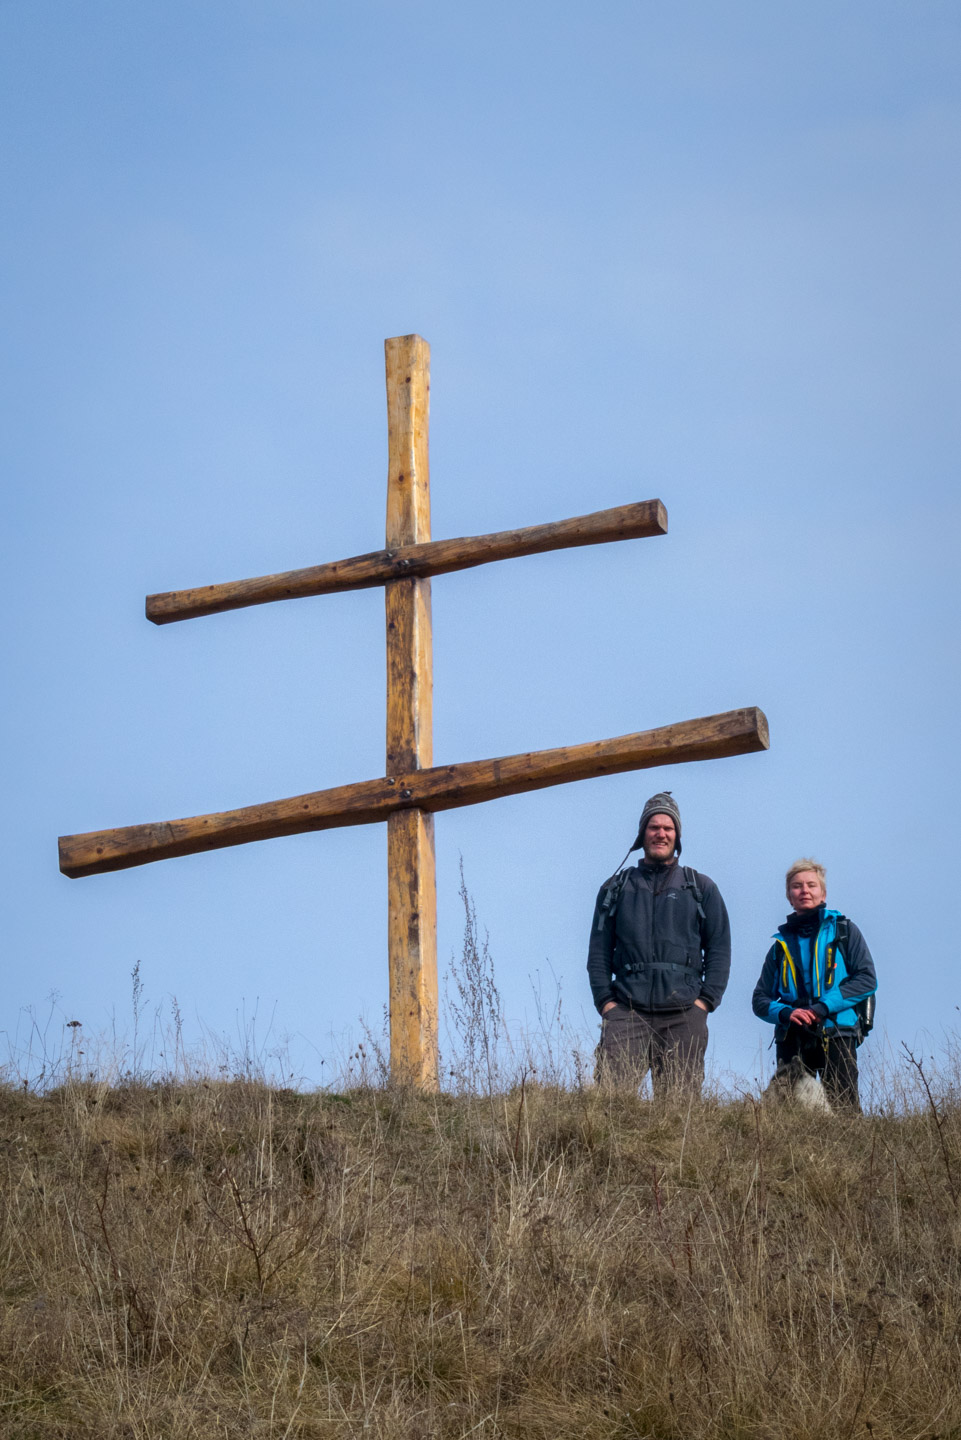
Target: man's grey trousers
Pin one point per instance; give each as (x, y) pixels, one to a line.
(671, 1044)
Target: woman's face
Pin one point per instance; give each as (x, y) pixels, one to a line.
(805, 891)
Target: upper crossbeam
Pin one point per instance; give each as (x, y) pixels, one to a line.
(442, 787)
(434, 557)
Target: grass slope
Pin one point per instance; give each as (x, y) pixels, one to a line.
(226, 1259)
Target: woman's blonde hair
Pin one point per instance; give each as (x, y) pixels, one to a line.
(800, 865)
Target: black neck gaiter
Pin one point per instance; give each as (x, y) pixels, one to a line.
(806, 924)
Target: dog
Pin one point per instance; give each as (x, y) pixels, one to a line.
(794, 1084)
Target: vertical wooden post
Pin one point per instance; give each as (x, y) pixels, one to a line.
(412, 895)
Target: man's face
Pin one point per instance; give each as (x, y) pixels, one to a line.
(660, 838)
(805, 891)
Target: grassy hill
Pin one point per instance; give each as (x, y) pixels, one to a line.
(226, 1259)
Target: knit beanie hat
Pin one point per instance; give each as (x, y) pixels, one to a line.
(662, 803)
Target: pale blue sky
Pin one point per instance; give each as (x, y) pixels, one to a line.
(707, 252)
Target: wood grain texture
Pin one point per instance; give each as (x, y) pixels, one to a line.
(407, 363)
(411, 884)
(410, 691)
(407, 601)
(436, 557)
(443, 787)
(412, 949)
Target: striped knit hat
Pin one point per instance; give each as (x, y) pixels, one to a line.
(662, 803)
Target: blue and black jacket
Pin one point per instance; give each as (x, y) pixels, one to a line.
(812, 972)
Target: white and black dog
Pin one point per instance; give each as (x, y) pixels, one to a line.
(794, 1084)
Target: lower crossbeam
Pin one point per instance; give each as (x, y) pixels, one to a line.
(442, 787)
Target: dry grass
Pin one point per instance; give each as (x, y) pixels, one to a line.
(226, 1259)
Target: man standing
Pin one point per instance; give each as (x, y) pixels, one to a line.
(659, 959)
(815, 975)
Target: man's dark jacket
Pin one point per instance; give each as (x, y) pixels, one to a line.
(654, 953)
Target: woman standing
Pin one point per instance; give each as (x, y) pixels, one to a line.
(815, 976)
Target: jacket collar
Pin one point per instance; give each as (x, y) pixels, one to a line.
(789, 932)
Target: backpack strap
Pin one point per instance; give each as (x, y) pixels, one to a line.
(611, 897)
(690, 876)
(615, 886)
(864, 1009)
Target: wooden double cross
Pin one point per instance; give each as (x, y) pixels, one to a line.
(413, 787)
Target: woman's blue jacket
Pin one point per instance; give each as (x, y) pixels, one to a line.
(836, 982)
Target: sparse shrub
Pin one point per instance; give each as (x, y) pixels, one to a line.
(475, 1028)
